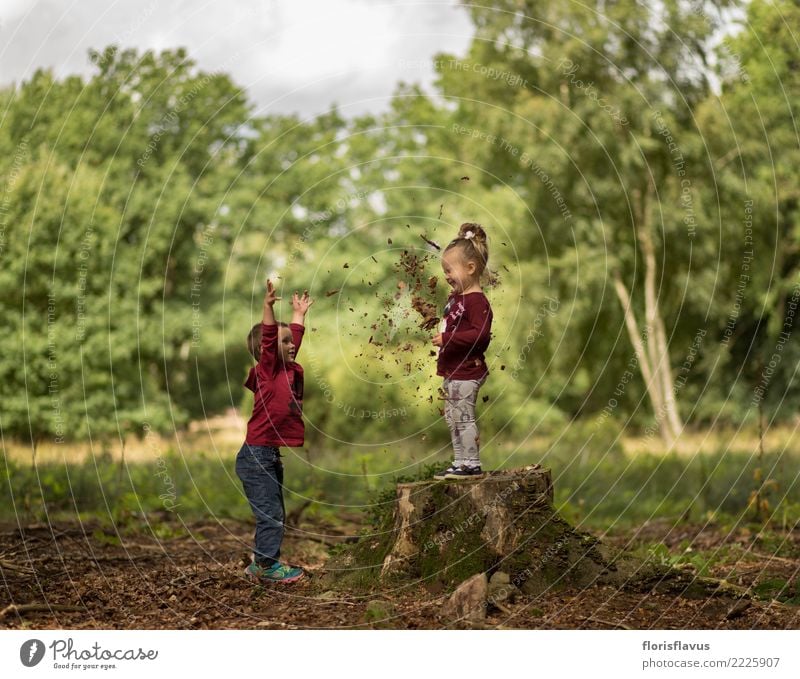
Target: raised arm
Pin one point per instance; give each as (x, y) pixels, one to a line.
(300, 305)
(268, 317)
(269, 331)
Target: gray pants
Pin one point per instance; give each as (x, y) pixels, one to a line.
(459, 412)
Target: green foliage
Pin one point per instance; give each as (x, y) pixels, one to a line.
(779, 589)
(119, 219)
(600, 489)
(700, 563)
(706, 487)
(142, 207)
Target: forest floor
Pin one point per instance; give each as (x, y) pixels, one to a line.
(86, 576)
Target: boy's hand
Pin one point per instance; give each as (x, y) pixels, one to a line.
(301, 304)
(437, 341)
(268, 318)
(269, 296)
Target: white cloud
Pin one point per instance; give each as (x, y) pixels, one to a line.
(291, 55)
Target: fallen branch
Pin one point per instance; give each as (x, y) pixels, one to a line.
(738, 609)
(11, 566)
(609, 623)
(771, 557)
(21, 609)
(337, 602)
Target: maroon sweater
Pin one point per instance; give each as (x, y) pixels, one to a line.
(277, 418)
(468, 325)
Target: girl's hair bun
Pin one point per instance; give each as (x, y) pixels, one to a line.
(473, 232)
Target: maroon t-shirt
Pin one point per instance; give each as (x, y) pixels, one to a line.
(468, 325)
(277, 418)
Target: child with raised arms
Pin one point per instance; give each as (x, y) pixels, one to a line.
(277, 384)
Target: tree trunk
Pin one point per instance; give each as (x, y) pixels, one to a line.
(651, 350)
(657, 336)
(656, 397)
(440, 533)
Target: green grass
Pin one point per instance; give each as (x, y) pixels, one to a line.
(597, 491)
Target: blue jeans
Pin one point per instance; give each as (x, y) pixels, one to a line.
(261, 472)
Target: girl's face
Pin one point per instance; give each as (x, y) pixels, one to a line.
(286, 349)
(459, 273)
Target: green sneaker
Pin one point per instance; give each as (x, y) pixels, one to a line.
(278, 572)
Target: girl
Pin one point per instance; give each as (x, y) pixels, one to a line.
(467, 325)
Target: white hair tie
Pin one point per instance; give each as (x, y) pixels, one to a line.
(469, 234)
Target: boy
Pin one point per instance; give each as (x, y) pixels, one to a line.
(277, 420)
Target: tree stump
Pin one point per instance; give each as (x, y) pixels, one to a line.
(439, 533)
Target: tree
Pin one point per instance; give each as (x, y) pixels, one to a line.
(590, 113)
(107, 223)
(754, 130)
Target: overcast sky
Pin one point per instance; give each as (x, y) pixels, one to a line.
(291, 55)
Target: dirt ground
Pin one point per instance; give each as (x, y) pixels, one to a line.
(82, 576)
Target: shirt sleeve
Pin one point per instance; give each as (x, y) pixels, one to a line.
(269, 348)
(474, 329)
(251, 382)
(297, 336)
